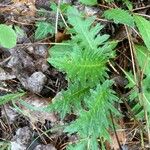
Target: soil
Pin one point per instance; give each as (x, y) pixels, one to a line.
(25, 67)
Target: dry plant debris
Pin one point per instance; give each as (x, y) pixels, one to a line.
(74, 74)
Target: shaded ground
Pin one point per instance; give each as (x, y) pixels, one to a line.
(25, 68)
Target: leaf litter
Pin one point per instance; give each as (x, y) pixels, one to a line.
(25, 67)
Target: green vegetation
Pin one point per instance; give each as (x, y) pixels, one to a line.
(9, 97)
(8, 37)
(84, 59)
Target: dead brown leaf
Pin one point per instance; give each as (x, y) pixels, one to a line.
(38, 116)
(20, 7)
(60, 36)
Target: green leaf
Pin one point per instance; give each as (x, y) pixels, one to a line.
(143, 57)
(59, 51)
(9, 97)
(144, 29)
(94, 121)
(89, 2)
(43, 29)
(85, 35)
(82, 66)
(77, 146)
(85, 61)
(69, 100)
(20, 32)
(53, 6)
(64, 7)
(8, 38)
(138, 100)
(128, 4)
(5, 145)
(130, 78)
(119, 16)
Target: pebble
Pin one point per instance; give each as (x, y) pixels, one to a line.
(41, 50)
(21, 139)
(45, 147)
(91, 10)
(36, 82)
(67, 1)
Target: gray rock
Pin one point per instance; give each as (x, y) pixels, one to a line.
(45, 147)
(91, 10)
(41, 65)
(21, 139)
(41, 50)
(17, 146)
(36, 82)
(67, 1)
(11, 113)
(6, 75)
(20, 60)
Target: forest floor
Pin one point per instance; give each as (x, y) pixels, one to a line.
(25, 68)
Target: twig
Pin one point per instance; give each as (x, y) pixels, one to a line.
(64, 20)
(103, 20)
(6, 116)
(113, 67)
(111, 116)
(45, 43)
(144, 15)
(132, 54)
(141, 8)
(56, 21)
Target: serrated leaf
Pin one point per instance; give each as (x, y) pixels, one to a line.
(144, 29)
(68, 100)
(8, 38)
(43, 29)
(9, 97)
(89, 2)
(119, 16)
(87, 68)
(94, 122)
(84, 63)
(59, 51)
(85, 60)
(87, 37)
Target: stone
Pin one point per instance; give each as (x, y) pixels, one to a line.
(36, 82)
(21, 139)
(45, 147)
